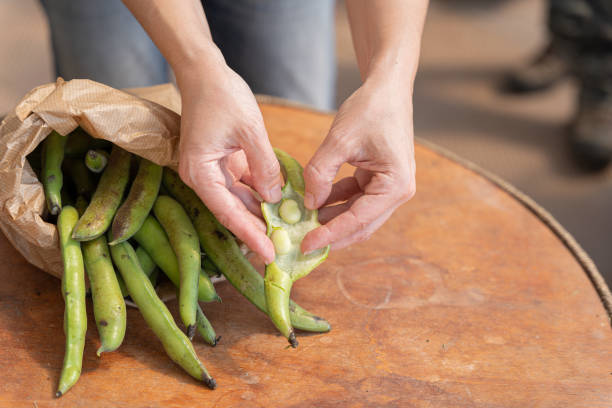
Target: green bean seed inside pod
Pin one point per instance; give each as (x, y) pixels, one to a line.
(289, 211)
(281, 241)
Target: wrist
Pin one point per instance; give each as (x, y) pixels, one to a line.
(392, 68)
(199, 64)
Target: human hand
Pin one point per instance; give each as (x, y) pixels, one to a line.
(372, 131)
(224, 150)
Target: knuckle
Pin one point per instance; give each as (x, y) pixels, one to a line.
(270, 168)
(313, 172)
(406, 189)
(408, 193)
(252, 129)
(358, 220)
(363, 236)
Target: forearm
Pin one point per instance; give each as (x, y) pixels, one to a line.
(180, 31)
(387, 36)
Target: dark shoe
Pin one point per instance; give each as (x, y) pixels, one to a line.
(542, 72)
(591, 131)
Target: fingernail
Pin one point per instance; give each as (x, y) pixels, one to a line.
(309, 200)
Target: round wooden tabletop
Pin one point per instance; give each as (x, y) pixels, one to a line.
(463, 298)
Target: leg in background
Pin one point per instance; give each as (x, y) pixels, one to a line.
(588, 24)
(101, 40)
(283, 48)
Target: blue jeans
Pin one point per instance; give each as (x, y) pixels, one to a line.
(283, 48)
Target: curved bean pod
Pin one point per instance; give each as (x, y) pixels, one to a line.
(138, 204)
(184, 241)
(105, 201)
(205, 328)
(108, 303)
(156, 314)
(73, 291)
(52, 178)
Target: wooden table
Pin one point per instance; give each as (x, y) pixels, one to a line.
(463, 299)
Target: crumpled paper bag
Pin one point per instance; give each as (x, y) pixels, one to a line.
(143, 121)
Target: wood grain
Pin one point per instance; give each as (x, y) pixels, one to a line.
(462, 299)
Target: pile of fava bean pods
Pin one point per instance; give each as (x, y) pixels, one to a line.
(122, 218)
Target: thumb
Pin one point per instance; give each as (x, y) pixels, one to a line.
(320, 172)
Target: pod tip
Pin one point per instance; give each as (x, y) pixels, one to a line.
(58, 394)
(191, 329)
(292, 340)
(210, 382)
(55, 209)
(100, 351)
(218, 298)
(216, 341)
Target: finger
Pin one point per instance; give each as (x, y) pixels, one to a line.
(328, 213)
(342, 190)
(236, 164)
(319, 174)
(362, 213)
(247, 178)
(364, 234)
(245, 194)
(209, 184)
(233, 167)
(263, 165)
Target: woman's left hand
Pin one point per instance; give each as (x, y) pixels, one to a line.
(372, 131)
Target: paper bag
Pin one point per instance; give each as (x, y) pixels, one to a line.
(139, 124)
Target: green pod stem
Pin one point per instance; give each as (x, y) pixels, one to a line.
(185, 244)
(108, 303)
(223, 250)
(153, 239)
(106, 199)
(96, 160)
(205, 328)
(277, 286)
(146, 263)
(83, 180)
(156, 314)
(73, 291)
(138, 204)
(52, 178)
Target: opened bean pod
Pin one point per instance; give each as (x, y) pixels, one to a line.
(288, 223)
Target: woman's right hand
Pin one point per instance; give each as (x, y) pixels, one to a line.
(224, 150)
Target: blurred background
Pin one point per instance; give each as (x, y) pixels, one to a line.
(467, 47)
